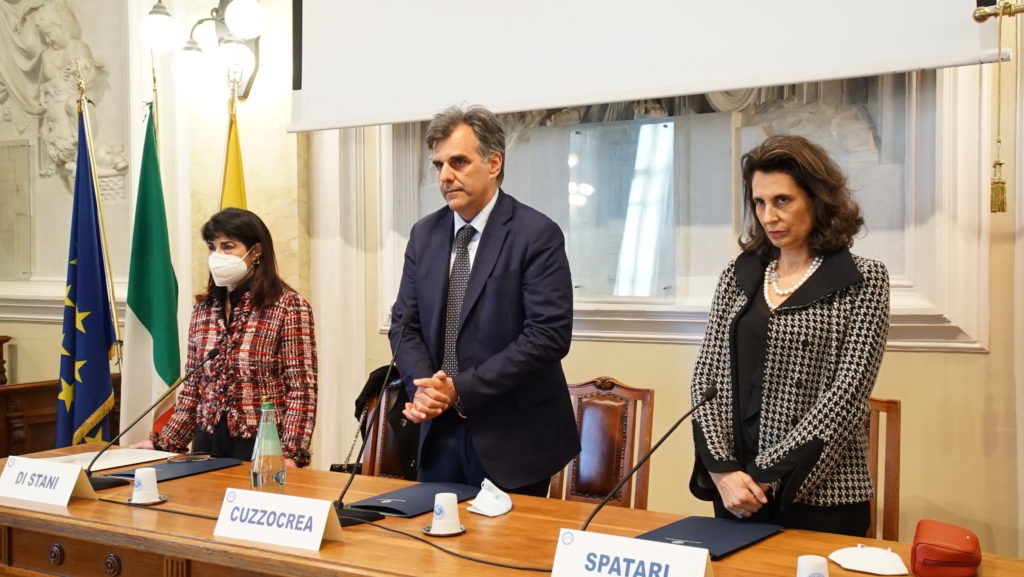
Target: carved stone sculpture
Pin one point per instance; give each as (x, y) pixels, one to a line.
(41, 55)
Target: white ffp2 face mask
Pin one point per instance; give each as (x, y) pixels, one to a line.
(227, 269)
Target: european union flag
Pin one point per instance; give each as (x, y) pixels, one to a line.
(86, 395)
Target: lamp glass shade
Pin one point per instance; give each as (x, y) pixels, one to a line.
(188, 64)
(236, 58)
(206, 36)
(245, 18)
(198, 75)
(160, 32)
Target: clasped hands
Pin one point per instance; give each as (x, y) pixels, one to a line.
(434, 395)
(741, 494)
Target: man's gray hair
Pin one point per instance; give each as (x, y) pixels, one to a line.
(485, 125)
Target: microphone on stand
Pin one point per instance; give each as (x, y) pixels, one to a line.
(709, 394)
(347, 515)
(99, 483)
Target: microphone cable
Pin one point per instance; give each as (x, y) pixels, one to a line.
(378, 525)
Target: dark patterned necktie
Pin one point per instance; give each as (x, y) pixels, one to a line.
(457, 281)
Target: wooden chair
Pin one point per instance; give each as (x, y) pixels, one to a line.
(606, 414)
(383, 456)
(891, 487)
(3, 362)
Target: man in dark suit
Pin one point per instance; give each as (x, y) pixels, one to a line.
(491, 320)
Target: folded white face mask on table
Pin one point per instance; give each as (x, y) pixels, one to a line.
(491, 500)
(869, 560)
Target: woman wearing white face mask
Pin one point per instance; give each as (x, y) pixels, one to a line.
(264, 332)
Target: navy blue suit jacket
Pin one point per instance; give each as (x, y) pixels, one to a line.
(514, 329)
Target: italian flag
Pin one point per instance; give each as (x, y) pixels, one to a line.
(152, 359)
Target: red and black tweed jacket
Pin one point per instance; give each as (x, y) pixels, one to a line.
(268, 351)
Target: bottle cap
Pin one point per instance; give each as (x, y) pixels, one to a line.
(267, 404)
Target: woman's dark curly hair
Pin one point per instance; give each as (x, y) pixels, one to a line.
(837, 217)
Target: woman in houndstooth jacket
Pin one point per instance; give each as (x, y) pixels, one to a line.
(794, 341)
(264, 332)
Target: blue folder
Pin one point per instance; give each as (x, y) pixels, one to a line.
(719, 536)
(414, 499)
(173, 470)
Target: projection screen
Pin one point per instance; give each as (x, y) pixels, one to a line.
(388, 61)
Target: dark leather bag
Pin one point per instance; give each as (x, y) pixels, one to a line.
(944, 550)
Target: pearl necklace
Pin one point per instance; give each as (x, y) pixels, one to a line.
(771, 277)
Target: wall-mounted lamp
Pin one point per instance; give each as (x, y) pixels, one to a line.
(230, 47)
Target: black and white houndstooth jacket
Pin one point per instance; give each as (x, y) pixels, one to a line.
(825, 345)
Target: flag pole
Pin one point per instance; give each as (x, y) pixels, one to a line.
(156, 107)
(232, 123)
(84, 111)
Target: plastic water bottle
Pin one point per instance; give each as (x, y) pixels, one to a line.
(268, 470)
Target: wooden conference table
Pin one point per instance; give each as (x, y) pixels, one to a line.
(175, 539)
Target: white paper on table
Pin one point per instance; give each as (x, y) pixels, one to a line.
(113, 458)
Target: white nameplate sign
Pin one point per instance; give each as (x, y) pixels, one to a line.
(42, 481)
(277, 519)
(586, 554)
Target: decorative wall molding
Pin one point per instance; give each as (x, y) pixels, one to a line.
(957, 285)
(42, 301)
(939, 302)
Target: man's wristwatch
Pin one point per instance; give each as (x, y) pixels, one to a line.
(460, 409)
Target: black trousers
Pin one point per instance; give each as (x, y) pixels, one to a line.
(448, 456)
(852, 519)
(220, 443)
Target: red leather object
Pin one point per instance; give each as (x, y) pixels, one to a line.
(944, 550)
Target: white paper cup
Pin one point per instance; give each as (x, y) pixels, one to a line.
(446, 514)
(811, 566)
(145, 490)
